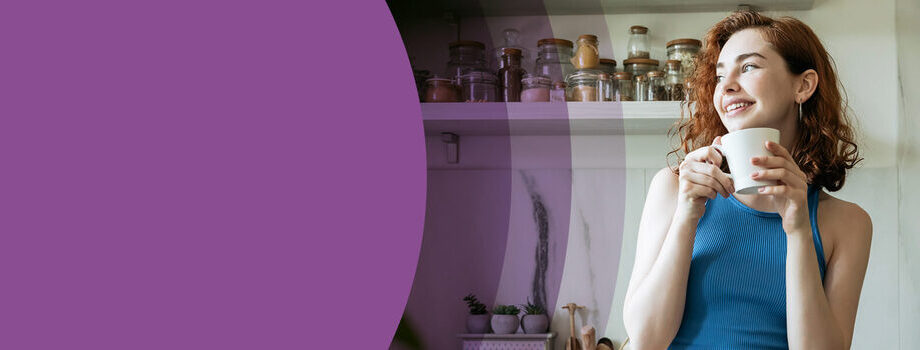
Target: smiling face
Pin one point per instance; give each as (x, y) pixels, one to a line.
(755, 87)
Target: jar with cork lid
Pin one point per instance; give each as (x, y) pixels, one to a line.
(465, 56)
(479, 86)
(604, 87)
(554, 59)
(558, 93)
(641, 90)
(685, 51)
(657, 87)
(586, 55)
(674, 81)
(510, 75)
(624, 90)
(639, 66)
(608, 66)
(440, 89)
(637, 46)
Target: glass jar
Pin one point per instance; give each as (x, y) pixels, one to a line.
(639, 66)
(582, 85)
(637, 46)
(685, 51)
(608, 66)
(554, 59)
(641, 91)
(604, 87)
(535, 88)
(465, 56)
(586, 55)
(440, 89)
(657, 87)
(479, 86)
(557, 94)
(510, 75)
(421, 76)
(624, 87)
(674, 81)
(512, 40)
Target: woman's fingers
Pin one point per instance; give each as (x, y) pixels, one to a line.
(787, 176)
(707, 175)
(707, 155)
(771, 162)
(779, 150)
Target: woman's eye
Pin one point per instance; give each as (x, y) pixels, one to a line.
(719, 78)
(746, 66)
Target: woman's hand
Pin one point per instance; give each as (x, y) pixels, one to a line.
(700, 178)
(790, 195)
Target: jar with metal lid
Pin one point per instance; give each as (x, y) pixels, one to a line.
(554, 59)
(685, 51)
(608, 66)
(535, 88)
(586, 55)
(465, 56)
(479, 86)
(582, 85)
(624, 87)
(641, 91)
(674, 81)
(440, 89)
(657, 87)
(637, 46)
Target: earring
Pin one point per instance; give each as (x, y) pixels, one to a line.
(800, 112)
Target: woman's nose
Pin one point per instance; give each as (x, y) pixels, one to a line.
(730, 83)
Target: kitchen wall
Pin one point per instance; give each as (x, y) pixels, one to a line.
(908, 39)
(593, 221)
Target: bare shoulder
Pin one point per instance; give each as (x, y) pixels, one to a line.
(664, 182)
(843, 223)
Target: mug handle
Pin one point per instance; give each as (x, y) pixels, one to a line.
(724, 158)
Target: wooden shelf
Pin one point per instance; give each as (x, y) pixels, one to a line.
(551, 118)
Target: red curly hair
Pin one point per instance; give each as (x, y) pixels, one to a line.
(825, 147)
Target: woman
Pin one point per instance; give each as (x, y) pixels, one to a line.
(782, 268)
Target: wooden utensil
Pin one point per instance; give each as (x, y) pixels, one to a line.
(572, 344)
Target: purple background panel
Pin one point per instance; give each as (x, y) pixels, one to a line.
(206, 175)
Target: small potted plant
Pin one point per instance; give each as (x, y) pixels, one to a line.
(478, 319)
(505, 319)
(535, 319)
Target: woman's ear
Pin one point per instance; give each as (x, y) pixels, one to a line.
(806, 85)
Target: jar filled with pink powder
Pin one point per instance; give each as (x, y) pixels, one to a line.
(535, 88)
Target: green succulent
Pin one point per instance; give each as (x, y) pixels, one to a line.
(533, 309)
(476, 307)
(506, 310)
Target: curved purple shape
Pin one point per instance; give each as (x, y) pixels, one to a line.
(205, 175)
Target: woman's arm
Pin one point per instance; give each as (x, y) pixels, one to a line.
(657, 289)
(822, 317)
(654, 304)
(817, 317)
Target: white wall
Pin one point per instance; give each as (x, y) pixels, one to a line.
(908, 38)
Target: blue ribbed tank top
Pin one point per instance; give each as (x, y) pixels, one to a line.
(736, 291)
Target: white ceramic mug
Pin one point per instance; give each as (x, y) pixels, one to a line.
(738, 147)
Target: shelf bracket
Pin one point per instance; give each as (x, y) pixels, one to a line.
(452, 142)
